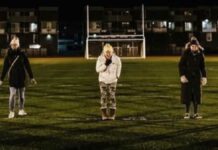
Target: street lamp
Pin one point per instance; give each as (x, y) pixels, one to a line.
(48, 37)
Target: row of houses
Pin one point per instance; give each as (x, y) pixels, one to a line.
(133, 31)
(165, 29)
(37, 29)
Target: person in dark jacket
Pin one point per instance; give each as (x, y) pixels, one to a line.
(15, 65)
(192, 76)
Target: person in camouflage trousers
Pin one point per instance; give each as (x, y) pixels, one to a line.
(109, 68)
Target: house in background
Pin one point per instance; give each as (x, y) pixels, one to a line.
(37, 29)
(166, 29)
(123, 28)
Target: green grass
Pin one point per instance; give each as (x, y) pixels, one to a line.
(63, 107)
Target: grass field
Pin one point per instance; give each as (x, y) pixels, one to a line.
(63, 109)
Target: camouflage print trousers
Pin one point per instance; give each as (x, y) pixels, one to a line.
(108, 99)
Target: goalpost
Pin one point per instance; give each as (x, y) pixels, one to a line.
(129, 44)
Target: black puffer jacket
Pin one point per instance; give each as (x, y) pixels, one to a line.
(17, 71)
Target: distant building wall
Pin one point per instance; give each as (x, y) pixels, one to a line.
(34, 26)
(166, 29)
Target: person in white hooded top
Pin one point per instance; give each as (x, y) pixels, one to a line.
(109, 68)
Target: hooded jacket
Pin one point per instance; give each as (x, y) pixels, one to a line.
(108, 74)
(17, 71)
(192, 65)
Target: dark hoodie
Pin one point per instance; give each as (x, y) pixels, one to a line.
(17, 71)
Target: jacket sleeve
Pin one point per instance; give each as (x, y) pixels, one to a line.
(202, 67)
(187, 45)
(182, 64)
(119, 67)
(100, 65)
(27, 66)
(5, 67)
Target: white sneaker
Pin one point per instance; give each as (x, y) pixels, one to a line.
(111, 118)
(197, 116)
(22, 113)
(187, 116)
(11, 115)
(104, 118)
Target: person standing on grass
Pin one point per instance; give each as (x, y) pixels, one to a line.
(15, 64)
(193, 77)
(109, 68)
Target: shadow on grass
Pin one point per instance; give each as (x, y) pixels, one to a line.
(203, 145)
(95, 135)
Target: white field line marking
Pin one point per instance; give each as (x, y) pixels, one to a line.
(142, 118)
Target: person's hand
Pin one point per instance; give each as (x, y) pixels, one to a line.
(33, 81)
(108, 62)
(183, 79)
(203, 81)
(1, 82)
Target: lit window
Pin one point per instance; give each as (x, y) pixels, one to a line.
(209, 37)
(2, 27)
(125, 23)
(33, 27)
(171, 25)
(159, 26)
(208, 26)
(163, 24)
(95, 26)
(35, 46)
(188, 26)
(187, 13)
(48, 27)
(15, 27)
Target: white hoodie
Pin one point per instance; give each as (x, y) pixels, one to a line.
(108, 74)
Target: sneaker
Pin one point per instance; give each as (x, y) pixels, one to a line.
(187, 116)
(197, 116)
(11, 115)
(22, 113)
(104, 118)
(112, 114)
(111, 118)
(104, 115)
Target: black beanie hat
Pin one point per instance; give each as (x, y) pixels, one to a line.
(193, 42)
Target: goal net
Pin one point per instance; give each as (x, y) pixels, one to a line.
(123, 28)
